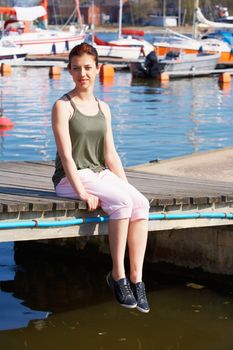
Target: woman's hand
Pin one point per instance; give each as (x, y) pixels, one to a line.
(91, 200)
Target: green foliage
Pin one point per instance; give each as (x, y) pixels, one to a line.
(141, 9)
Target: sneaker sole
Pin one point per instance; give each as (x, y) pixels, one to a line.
(142, 310)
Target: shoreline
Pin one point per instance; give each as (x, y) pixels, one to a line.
(113, 28)
(146, 29)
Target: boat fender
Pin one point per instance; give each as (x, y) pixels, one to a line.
(67, 45)
(5, 69)
(54, 72)
(200, 50)
(224, 78)
(106, 71)
(54, 51)
(163, 77)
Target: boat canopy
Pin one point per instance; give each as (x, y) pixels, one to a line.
(201, 18)
(24, 13)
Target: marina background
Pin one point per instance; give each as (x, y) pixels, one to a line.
(66, 303)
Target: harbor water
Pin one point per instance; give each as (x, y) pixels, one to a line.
(65, 303)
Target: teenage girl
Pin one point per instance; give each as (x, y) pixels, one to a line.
(88, 168)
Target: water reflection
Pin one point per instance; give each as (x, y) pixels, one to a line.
(67, 304)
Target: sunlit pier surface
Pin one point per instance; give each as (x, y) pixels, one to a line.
(196, 184)
(201, 184)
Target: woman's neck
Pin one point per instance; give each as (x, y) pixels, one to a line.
(83, 96)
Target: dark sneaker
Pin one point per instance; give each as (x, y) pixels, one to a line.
(122, 291)
(139, 292)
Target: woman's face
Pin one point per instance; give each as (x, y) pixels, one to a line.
(83, 71)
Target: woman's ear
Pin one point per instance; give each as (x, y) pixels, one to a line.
(98, 67)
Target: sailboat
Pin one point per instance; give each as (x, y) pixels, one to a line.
(210, 44)
(129, 45)
(10, 53)
(40, 40)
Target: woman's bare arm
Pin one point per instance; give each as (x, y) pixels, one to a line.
(60, 123)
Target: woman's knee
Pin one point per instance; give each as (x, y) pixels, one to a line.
(141, 209)
(142, 202)
(121, 207)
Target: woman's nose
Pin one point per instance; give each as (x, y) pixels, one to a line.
(82, 71)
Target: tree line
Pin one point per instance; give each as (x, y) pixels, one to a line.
(138, 11)
(141, 9)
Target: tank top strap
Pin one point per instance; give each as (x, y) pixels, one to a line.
(99, 105)
(71, 101)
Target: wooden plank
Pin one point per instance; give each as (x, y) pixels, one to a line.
(30, 183)
(14, 203)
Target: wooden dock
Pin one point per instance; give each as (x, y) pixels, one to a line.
(27, 194)
(61, 60)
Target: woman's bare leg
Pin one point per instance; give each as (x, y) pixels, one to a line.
(137, 239)
(118, 231)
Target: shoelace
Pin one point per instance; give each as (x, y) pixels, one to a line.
(141, 293)
(125, 288)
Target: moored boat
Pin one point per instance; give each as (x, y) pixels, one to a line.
(37, 40)
(108, 49)
(129, 44)
(10, 53)
(174, 61)
(175, 41)
(211, 44)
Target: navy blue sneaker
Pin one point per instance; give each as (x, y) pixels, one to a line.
(139, 292)
(122, 291)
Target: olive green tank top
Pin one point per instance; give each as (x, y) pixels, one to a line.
(87, 135)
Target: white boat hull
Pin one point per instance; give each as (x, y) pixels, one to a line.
(133, 52)
(192, 63)
(128, 40)
(11, 54)
(187, 65)
(47, 42)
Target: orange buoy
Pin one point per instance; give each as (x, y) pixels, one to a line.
(6, 122)
(3, 129)
(5, 69)
(55, 72)
(106, 71)
(163, 77)
(225, 88)
(224, 78)
(107, 81)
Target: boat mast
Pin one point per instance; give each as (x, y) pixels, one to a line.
(179, 13)
(92, 20)
(120, 19)
(164, 12)
(79, 13)
(44, 3)
(196, 6)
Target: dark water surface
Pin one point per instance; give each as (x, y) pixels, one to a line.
(67, 305)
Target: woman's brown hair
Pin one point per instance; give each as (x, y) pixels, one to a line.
(81, 49)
